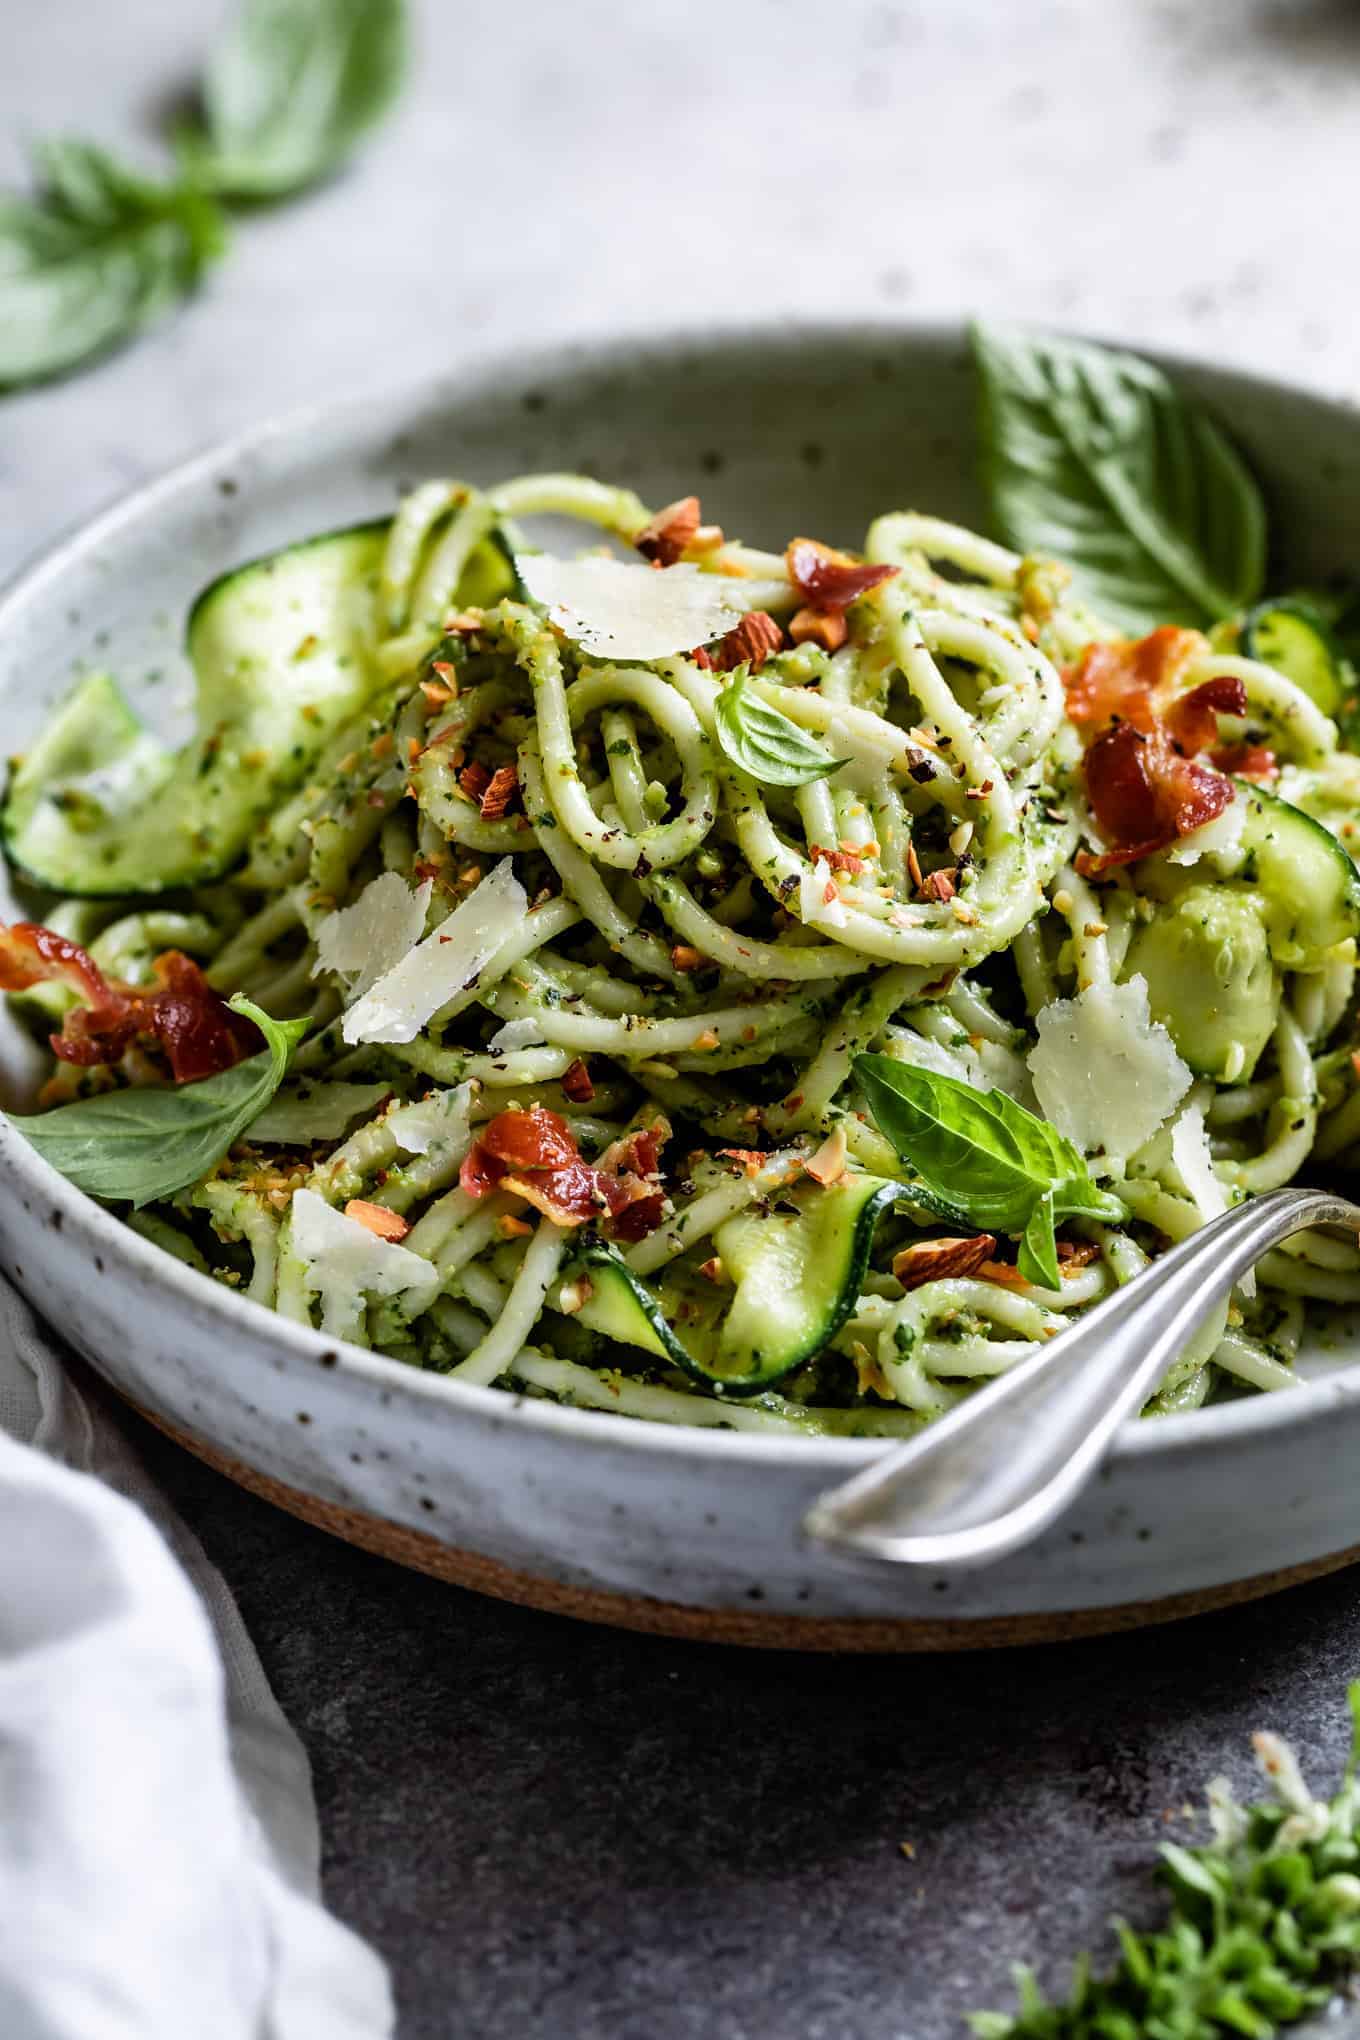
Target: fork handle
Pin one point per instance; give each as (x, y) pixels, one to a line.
(994, 1472)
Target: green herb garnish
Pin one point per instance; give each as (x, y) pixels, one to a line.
(293, 86)
(764, 742)
(138, 1145)
(1091, 455)
(1264, 1923)
(983, 1160)
(98, 251)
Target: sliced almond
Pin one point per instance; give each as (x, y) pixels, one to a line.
(935, 1260)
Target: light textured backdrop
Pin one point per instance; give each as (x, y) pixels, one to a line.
(557, 1833)
(1176, 173)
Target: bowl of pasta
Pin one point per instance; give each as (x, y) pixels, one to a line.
(587, 943)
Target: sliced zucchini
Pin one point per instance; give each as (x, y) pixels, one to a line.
(282, 654)
(1206, 961)
(790, 1279)
(1308, 886)
(1295, 637)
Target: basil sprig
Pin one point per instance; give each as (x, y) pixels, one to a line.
(137, 1146)
(291, 89)
(1091, 455)
(97, 253)
(983, 1160)
(764, 742)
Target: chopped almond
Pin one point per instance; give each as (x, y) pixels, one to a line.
(686, 958)
(827, 1166)
(825, 627)
(503, 787)
(750, 1160)
(913, 866)
(474, 780)
(462, 622)
(935, 1260)
(830, 579)
(706, 539)
(511, 1228)
(664, 540)
(575, 1293)
(705, 1041)
(939, 886)
(1004, 1273)
(1075, 1254)
(839, 860)
(712, 1270)
(576, 1083)
(436, 693)
(376, 1218)
(749, 642)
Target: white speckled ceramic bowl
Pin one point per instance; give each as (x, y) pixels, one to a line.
(689, 1531)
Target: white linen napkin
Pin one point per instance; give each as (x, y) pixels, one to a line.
(158, 1840)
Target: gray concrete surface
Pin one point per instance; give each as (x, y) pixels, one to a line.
(550, 1831)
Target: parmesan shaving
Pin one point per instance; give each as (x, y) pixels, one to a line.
(819, 900)
(397, 1006)
(514, 1034)
(442, 1121)
(345, 1263)
(1105, 1073)
(1194, 1165)
(1219, 840)
(620, 611)
(364, 940)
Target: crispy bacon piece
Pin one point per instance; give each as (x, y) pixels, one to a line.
(576, 1083)
(1121, 681)
(534, 1156)
(501, 790)
(1248, 761)
(664, 540)
(195, 1028)
(829, 579)
(749, 642)
(1192, 719)
(1144, 793)
(33, 955)
(934, 1260)
(536, 1139)
(701, 658)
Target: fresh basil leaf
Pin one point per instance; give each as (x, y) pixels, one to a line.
(764, 742)
(1038, 1256)
(96, 254)
(137, 1146)
(982, 1154)
(1094, 457)
(293, 87)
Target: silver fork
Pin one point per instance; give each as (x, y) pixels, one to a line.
(998, 1469)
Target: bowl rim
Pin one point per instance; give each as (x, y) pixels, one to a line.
(1172, 1435)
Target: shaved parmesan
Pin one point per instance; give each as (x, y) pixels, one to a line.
(306, 1112)
(819, 900)
(1105, 1073)
(397, 1006)
(365, 939)
(516, 1034)
(620, 611)
(1219, 840)
(346, 1263)
(1194, 1165)
(443, 1122)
